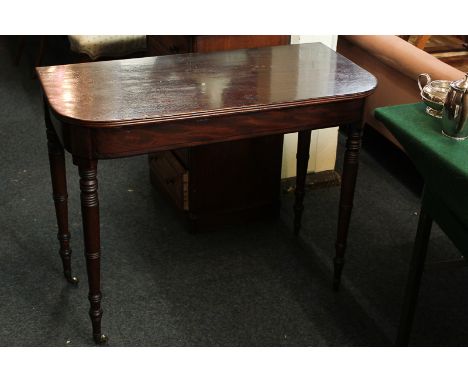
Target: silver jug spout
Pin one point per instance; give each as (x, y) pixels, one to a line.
(455, 112)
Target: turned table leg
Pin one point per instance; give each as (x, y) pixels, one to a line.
(348, 183)
(60, 196)
(302, 156)
(91, 232)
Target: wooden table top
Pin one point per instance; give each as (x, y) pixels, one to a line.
(159, 89)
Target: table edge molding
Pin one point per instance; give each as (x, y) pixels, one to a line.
(204, 114)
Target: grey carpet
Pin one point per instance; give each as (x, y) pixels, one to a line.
(251, 285)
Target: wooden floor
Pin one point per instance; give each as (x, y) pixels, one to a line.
(452, 50)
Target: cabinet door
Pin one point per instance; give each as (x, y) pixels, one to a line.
(167, 174)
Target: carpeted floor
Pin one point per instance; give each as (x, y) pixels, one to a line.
(252, 285)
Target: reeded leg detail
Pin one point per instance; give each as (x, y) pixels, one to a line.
(414, 278)
(91, 230)
(302, 156)
(348, 183)
(60, 196)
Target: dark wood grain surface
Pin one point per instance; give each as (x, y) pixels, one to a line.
(157, 89)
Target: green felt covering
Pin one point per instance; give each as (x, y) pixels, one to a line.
(447, 220)
(442, 161)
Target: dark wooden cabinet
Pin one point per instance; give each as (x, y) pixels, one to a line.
(219, 184)
(162, 45)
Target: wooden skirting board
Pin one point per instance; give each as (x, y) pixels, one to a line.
(314, 181)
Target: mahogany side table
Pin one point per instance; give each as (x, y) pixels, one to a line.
(114, 109)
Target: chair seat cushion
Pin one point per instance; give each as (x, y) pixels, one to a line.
(96, 46)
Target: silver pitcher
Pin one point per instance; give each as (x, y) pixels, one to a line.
(455, 113)
(433, 94)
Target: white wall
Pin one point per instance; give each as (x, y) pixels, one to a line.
(323, 142)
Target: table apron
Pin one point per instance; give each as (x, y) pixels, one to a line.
(115, 142)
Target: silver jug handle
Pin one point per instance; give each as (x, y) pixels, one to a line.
(427, 77)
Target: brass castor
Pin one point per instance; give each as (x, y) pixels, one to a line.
(100, 339)
(72, 279)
